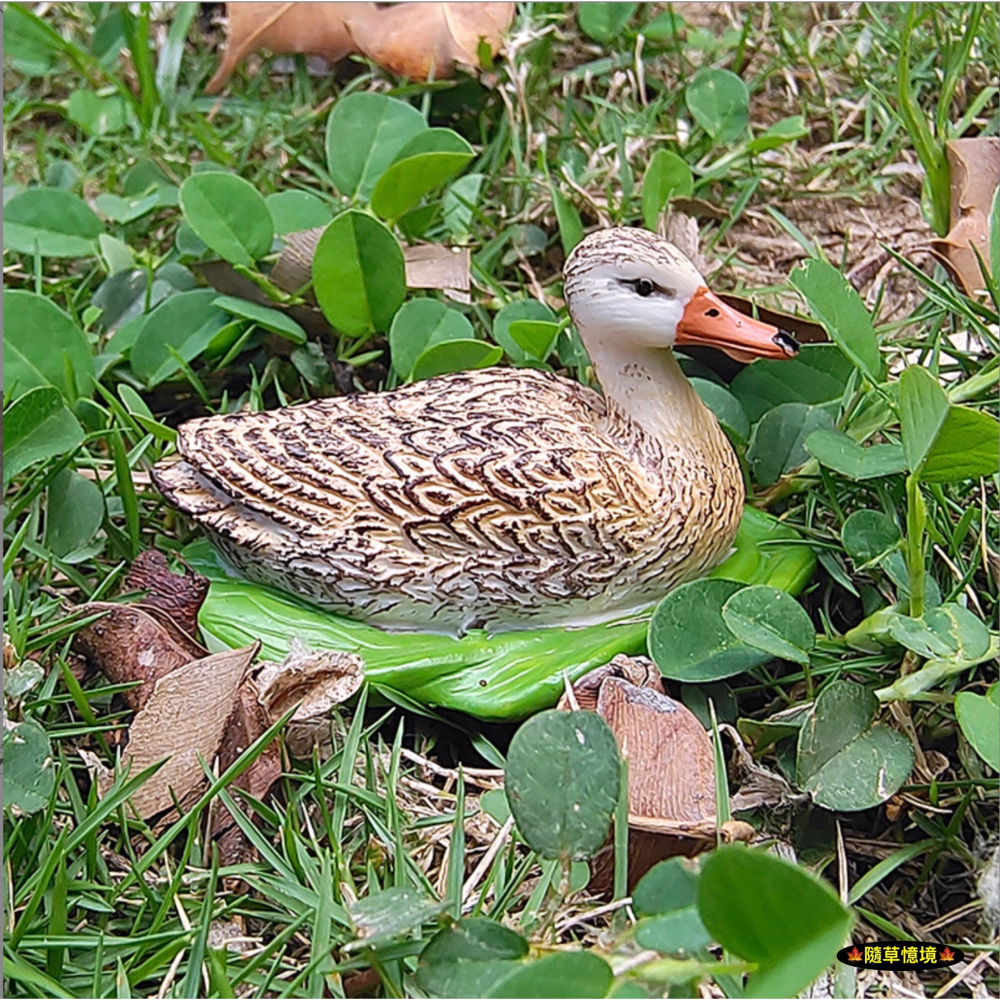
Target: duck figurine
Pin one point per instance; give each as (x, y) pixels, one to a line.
(502, 498)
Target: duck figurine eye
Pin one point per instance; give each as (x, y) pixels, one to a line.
(502, 498)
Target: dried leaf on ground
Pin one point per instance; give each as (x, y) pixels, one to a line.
(414, 40)
(309, 28)
(975, 174)
(421, 40)
(318, 679)
(671, 784)
(185, 718)
(247, 722)
(179, 595)
(132, 642)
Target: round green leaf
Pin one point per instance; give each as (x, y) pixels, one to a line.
(868, 536)
(455, 356)
(294, 211)
(689, 640)
(29, 42)
(56, 222)
(604, 22)
(381, 916)
(474, 939)
(865, 773)
(771, 620)
(818, 374)
(666, 177)
(776, 445)
(228, 214)
(837, 451)
(923, 408)
(61, 174)
(562, 783)
(536, 337)
(427, 161)
(94, 114)
(680, 931)
(513, 312)
(185, 322)
(967, 446)
(844, 762)
(720, 103)
(363, 135)
(668, 886)
(840, 309)
(359, 276)
(42, 346)
(37, 426)
(842, 712)
(270, 319)
(725, 406)
(948, 632)
(781, 132)
(469, 958)
(28, 770)
(564, 974)
(74, 512)
(979, 718)
(773, 913)
(420, 324)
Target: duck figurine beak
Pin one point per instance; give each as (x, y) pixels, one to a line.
(708, 322)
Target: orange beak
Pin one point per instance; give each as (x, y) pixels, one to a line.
(709, 322)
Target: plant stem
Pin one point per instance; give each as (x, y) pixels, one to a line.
(916, 521)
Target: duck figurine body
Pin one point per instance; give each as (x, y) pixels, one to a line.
(499, 498)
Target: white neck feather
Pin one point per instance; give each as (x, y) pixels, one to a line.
(648, 385)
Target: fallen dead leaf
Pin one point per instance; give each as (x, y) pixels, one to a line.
(975, 174)
(133, 642)
(671, 783)
(307, 28)
(415, 40)
(317, 680)
(425, 40)
(188, 702)
(184, 718)
(179, 595)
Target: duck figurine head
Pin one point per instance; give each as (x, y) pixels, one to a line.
(635, 288)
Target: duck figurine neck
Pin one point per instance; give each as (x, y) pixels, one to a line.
(500, 498)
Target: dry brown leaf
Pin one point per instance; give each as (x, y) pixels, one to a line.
(318, 679)
(671, 767)
(247, 722)
(186, 717)
(975, 174)
(307, 28)
(423, 40)
(132, 642)
(178, 595)
(409, 39)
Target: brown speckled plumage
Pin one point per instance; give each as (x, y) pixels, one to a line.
(501, 498)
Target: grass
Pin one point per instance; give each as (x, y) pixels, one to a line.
(98, 903)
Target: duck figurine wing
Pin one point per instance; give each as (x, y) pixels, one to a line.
(482, 497)
(499, 498)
